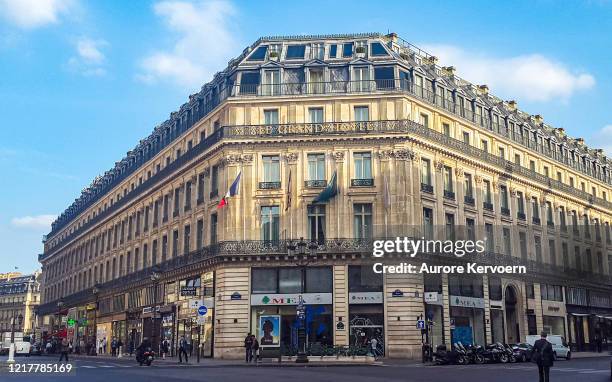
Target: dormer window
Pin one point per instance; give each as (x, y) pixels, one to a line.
(259, 54)
(317, 51)
(377, 49)
(333, 51)
(295, 52)
(347, 49)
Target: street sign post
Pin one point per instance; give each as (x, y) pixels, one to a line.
(202, 310)
(421, 324)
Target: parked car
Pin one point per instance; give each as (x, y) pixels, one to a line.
(560, 346)
(522, 351)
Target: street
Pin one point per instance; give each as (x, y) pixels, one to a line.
(115, 370)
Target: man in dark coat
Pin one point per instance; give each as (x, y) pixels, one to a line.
(543, 356)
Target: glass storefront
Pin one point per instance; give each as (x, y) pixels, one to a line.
(366, 310)
(554, 325)
(276, 291)
(467, 309)
(497, 325)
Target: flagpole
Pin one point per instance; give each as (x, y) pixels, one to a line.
(243, 204)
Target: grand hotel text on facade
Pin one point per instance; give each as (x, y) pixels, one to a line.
(416, 150)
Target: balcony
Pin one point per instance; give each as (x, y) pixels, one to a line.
(448, 194)
(213, 194)
(322, 183)
(469, 200)
(387, 127)
(536, 220)
(175, 213)
(428, 188)
(505, 211)
(487, 206)
(269, 185)
(365, 182)
(550, 224)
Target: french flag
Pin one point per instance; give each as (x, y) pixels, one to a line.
(233, 191)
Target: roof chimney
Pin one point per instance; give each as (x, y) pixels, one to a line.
(483, 89)
(512, 105)
(432, 60)
(392, 36)
(580, 140)
(449, 70)
(538, 119)
(561, 131)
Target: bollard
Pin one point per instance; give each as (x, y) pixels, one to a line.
(120, 354)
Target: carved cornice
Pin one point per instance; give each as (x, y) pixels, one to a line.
(478, 179)
(439, 165)
(459, 172)
(385, 154)
(404, 154)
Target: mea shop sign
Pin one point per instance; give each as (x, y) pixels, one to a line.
(467, 302)
(189, 291)
(291, 299)
(366, 298)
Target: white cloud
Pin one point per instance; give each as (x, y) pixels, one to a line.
(532, 77)
(603, 139)
(30, 14)
(203, 42)
(37, 222)
(89, 59)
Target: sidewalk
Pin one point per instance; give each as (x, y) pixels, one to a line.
(314, 361)
(590, 354)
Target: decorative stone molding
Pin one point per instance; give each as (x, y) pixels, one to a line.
(207, 172)
(338, 156)
(459, 172)
(439, 165)
(495, 185)
(478, 179)
(404, 154)
(232, 159)
(247, 158)
(514, 192)
(385, 154)
(291, 157)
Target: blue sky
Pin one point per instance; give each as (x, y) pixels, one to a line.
(81, 82)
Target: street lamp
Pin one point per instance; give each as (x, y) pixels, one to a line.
(155, 276)
(11, 358)
(302, 261)
(95, 290)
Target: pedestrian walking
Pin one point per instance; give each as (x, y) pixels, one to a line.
(114, 347)
(255, 347)
(183, 350)
(374, 347)
(119, 346)
(48, 347)
(64, 350)
(543, 356)
(165, 347)
(248, 347)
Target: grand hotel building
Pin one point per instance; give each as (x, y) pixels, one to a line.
(417, 151)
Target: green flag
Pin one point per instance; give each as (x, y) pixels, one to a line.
(328, 192)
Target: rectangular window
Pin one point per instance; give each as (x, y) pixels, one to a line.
(264, 280)
(446, 129)
(361, 278)
(271, 168)
(363, 165)
(289, 280)
(295, 52)
(565, 253)
(362, 220)
(316, 222)
(214, 180)
(316, 166)
(270, 223)
(552, 252)
(469, 191)
(471, 229)
(187, 239)
(489, 238)
(200, 234)
(449, 225)
(448, 179)
(426, 171)
(154, 253)
(213, 229)
(537, 241)
(362, 113)
(187, 195)
(347, 49)
(466, 137)
(315, 114)
(503, 196)
(502, 152)
(200, 188)
(507, 240)
(175, 243)
(517, 159)
(486, 189)
(271, 117)
(424, 119)
(333, 51)
(484, 144)
(428, 223)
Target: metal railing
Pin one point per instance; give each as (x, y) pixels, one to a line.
(401, 127)
(251, 248)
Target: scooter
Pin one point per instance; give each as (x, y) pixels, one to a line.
(146, 357)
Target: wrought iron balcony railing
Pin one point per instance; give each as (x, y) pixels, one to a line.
(448, 194)
(487, 206)
(269, 185)
(469, 200)
(328, 88)
(402, 128)
(428, 188)
(251, 248)
(505, 211)
(362, 182)
(521, 215)
(322, 183)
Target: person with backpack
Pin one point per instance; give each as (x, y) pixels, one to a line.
(248, 347)
(165, 348)
(544, 357)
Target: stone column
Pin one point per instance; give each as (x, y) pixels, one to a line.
(341, 307)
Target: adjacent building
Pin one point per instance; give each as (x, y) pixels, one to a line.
(19, 298)
(412, 150)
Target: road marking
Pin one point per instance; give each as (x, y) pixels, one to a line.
(88, 367)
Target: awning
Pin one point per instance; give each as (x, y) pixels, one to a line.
(580, 314)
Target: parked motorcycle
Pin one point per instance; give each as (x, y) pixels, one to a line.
(442, 356)
(470, 353)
